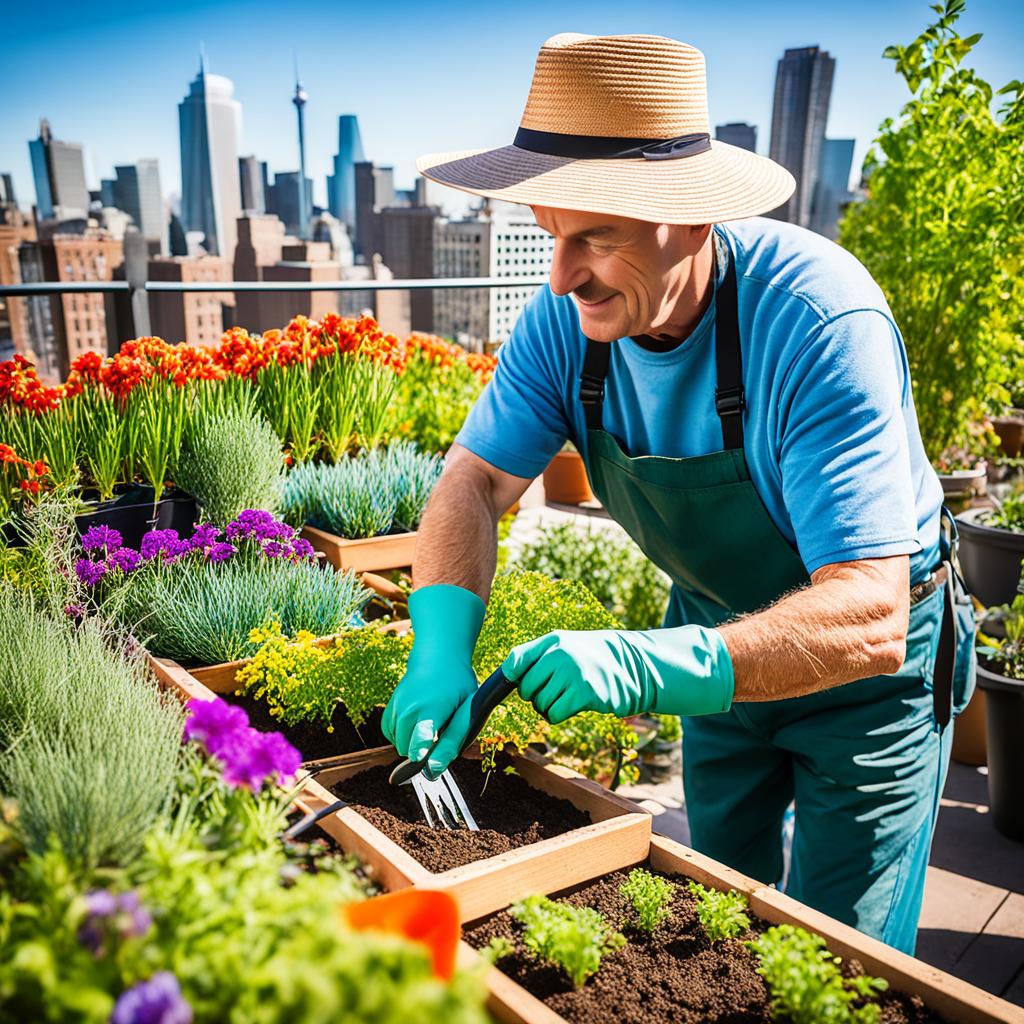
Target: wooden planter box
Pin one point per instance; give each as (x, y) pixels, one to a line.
(952, 998)
(618, 836)
(394, 551)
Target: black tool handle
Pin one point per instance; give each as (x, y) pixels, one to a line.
(311, 819)
(488, 696)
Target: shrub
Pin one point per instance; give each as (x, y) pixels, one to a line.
(612, 568)
(366, 495)
(575, 939)
(230, 462)
(806, 983)
(722, 914)
(651, 896)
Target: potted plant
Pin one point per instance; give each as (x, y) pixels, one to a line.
(363, 511)
(565, 479)
(1001, 677)
(940, 231)
(991, 548)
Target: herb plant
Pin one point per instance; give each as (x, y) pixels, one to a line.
(806, 983)
(231, 462)
(572, 938)
(1010, 514)
(651, 896)
(610, 565)
(722, 914)
(1007, 652)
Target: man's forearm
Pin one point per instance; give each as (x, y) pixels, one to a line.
(851, 623)
(457, 541)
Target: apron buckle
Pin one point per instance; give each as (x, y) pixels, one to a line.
(729, 401)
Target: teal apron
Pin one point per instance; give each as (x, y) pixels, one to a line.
(864, 762)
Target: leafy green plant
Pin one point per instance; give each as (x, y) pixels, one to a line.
(651, 896)
(230, 462)
(373, 493)
(942, 230)
(156, 411)
(1010, 514)
(90, 745)
(1007, 652)
(806, 983)
(613, 569)
(722, 914)
(575, 939)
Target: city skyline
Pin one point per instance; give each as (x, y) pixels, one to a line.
(405, 110)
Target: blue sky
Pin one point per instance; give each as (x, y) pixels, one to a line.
(421, 76)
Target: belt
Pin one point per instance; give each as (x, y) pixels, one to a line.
(927, 587)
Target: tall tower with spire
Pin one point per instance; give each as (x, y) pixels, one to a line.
(299, 99)
(210, 123)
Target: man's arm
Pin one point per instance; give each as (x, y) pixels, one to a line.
(850, 623)
(457, 541)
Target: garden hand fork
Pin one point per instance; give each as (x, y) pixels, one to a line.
(440, 799)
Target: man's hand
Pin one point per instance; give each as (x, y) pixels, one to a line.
(681, 671)
(446, 621)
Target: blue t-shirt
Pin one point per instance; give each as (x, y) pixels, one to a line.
(830, 433)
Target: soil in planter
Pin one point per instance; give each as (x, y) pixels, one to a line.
(674, 976)
(510, 813)
(311, 739)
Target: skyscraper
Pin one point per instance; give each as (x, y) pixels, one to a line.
(341, 185)
(137, 192)
(210, 120)
(833, 189)
(287, 200)
(250, 174)
(305, 209)
(738, 133)
(374, 191)
(59, 172)
(7, 197)
(803, 88)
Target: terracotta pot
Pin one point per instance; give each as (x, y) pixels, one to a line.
(392, 551)
(970, 732)
(1010, 431)
(565, 480)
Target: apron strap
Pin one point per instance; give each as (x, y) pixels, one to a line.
(595, 370)
(729, 398)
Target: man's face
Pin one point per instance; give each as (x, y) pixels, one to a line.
(626, 276)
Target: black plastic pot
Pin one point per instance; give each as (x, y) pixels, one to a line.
(1004, 706)
(131, 514)
(990, 558)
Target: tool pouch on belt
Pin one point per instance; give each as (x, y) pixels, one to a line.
(955, 660)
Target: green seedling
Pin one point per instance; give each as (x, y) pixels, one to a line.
(805, 981)
(651, 897)
(573, 938)
(723, 914)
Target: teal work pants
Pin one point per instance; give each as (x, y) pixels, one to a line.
(865, 764)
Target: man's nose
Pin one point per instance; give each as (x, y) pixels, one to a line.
(568, 272)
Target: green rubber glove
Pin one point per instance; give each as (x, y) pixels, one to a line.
(446, 621)
(681, 671)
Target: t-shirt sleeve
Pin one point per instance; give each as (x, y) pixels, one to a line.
(519, 422)
(843, 450)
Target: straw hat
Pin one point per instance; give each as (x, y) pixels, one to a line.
(619, 125)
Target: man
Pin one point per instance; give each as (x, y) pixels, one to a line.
(739, 393)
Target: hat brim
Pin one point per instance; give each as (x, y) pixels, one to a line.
(725, 183)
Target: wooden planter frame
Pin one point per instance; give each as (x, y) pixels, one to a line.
(393, 551)
(619, 833)
(956, 1000)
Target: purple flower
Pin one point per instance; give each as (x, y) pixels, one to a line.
(259, 525)
(125, 559)
(105, 537)
(90, 572)
(205, 536)
(273, 549)
(221, 551)
(301, 548)
(156, 1001)
(107, 913)
(213, 723)
(75, 611)
(163, 542)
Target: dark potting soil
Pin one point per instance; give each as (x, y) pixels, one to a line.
(312, 740)
(674, 976)
(510, 813)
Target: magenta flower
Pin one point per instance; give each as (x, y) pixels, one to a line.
(214, 723)
(90, 572)
(204, 537)
(221, 551)
(101, 537)
(125, 559)
(301, 548)
(273, 549)
(75, 612)
(165, 543)
(156, 1001)
(259, 525)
